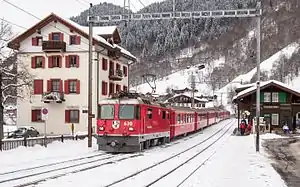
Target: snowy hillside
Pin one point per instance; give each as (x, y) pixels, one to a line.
(181, 79)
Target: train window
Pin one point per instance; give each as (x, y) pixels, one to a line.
(106, 112)
(126, 112)
(178, 118)
(137, 112)
(163, 114)
(149, 113)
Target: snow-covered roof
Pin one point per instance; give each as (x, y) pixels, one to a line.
(262, 85)
(104, 30)
(188, 94)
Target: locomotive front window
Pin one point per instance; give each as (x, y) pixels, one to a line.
(126, 112)
(107, 112)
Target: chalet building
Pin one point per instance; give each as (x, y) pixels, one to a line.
(55, 51)
(279, 104)
(185, 100)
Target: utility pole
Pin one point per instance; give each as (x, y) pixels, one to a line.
(1, 112)
(258, 74)
(193, 85)
(91, 21)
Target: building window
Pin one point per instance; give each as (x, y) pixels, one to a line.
(72, 86)
(73, 40)
(39, 40)
(275, 98)
(56, 36)
(36, 115)
(275, 119)
(55, 61)
(39, 62)
(72, 116)
(73, 61)
(104, 88)
(111, 88)
(267, 97)
(125, 88)
(55, 85)
(125, 71)
(118, 88)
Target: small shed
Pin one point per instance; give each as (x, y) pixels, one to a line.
(279, 103)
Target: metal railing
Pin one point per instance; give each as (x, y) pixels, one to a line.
(8, 144)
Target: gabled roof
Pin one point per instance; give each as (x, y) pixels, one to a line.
(187, 94)
(264, 85)
(83, 31)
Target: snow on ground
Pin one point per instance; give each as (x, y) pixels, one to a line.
(237, 164)
(231, 162)
(38, 155)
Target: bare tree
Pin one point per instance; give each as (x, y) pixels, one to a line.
(16, 80)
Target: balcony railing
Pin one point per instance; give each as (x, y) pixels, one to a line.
(54, 46)
(57, 97)
(115, 75)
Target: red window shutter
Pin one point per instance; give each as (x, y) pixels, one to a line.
(38, 87)
(61, 36)
(43, 62)
(49, 86)
(67, 87)
(78, 115)
(67, 116)
(103, 88)
(125, 71)
(33, 62)
(78, 87)
(33, 115)
(104, 64)
(125, 88)
(67, 61)
(78, 40)
(60, 86)
(50, 36)
(106, 88)
(50, 62)
(34, 41)
(77, 61)
(60, 61)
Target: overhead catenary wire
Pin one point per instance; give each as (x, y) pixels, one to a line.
(54, 26)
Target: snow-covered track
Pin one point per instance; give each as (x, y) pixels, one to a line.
(52, 164)
(188, 160)
(35, 177)
(131, 176)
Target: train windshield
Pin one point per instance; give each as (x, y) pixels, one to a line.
(126, 112)
(107, 112)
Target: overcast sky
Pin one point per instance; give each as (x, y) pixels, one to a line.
(42, 8)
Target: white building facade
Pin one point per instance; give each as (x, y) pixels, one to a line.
(56, 52)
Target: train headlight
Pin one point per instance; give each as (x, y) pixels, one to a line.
(131, 129)
(101, 128)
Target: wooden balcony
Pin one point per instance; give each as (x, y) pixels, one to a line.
(54, 46)
(115, 75)
(57, 97)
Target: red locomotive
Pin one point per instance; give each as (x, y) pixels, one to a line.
(129, 122)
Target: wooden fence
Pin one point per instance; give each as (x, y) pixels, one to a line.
(7, 144)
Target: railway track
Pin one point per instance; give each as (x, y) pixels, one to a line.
(144, 171)
(35, 176)
(38, 174)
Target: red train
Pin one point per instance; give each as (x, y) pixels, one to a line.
(129, 122)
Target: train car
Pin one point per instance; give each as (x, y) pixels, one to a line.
(129, 123)
(183, 121)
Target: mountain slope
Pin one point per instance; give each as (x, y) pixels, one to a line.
(159, 43)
